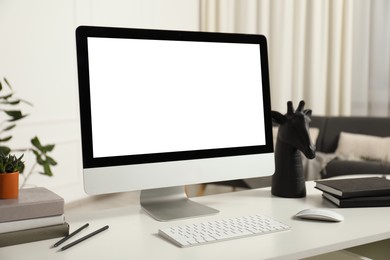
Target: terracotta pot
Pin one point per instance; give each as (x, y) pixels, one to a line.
(9, 185)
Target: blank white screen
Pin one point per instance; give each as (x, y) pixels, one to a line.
(150, 96)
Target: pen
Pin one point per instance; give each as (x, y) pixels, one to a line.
(84, 238)
(70, 235)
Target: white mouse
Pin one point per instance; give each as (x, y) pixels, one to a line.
(320, 214)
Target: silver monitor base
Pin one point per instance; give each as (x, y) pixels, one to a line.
(171, 203)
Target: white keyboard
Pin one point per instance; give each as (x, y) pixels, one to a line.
(222, 229)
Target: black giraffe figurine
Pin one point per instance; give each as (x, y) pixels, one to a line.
(293, 138)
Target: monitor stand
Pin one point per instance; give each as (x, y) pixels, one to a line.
(171, 203)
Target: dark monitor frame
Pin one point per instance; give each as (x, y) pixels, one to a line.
(82, 35)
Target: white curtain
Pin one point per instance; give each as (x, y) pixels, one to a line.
(334, 54)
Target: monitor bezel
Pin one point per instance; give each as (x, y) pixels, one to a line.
(82, 34)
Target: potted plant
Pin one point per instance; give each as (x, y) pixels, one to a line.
(10, 114)
(10, 167)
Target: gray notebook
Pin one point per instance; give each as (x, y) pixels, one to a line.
(32, 203)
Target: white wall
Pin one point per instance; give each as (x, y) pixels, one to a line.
(37, 56)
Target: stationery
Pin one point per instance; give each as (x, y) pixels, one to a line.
(70, 235)
(355, 187)
(370, 201)
(84, 238)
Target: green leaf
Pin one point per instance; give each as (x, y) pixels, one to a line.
(50, 161)
(35, 141)
(4, 150)
(16, 119)
(6, 96)
(13, 103)
(38, 156)
(15, 114)
(9, 127)
(6, 139)
(1, 86)
(47, 170)
(48, 148)
(44, 149)
(35, 152)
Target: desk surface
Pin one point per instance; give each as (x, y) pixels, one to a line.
(133, 234)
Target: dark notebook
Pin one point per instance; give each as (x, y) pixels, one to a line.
(355, 187)
(35, 234)
(371, 201)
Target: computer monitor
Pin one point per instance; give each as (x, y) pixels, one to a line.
(161, 109)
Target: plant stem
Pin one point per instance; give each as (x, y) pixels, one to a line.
(26, 177)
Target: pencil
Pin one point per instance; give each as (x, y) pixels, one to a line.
(84, 238)
(70, 235)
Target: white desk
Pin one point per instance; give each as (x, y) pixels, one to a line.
(133, 234)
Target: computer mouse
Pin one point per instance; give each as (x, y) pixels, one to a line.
(320, 214)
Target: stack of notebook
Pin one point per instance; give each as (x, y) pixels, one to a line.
(357, 192)
(37, 214)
